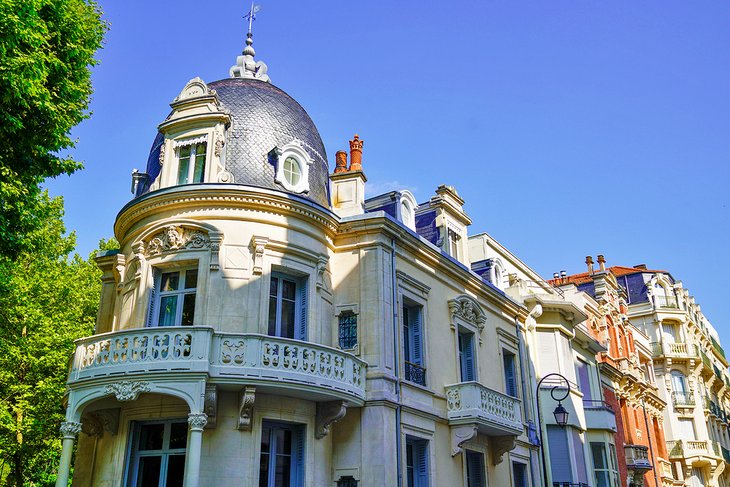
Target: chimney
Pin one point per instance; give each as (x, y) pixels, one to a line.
(563, 276)
(356, 154)
(340, 162)
(555, 276)
(602, 262)
(589, 263)
(640, 266)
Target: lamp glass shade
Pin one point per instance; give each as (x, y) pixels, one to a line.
(561, 415)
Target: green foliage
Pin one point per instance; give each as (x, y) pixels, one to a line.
(46, 50)
(48, 298)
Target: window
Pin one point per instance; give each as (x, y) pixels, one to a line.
(417, 462)
(348, 330)
(562, 440)
(686, 429)
(287, 307)
(191, 163)
(474, 469)
(292, 167)
(173, 299)
(510, 376)
(158, 454)
(601, 471)
(413, 344)
(582, 370)
(292, 171)
(519, 474)
(466, 356)
(282, 455)
(453, 244)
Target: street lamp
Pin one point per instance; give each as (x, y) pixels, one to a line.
(560, 413)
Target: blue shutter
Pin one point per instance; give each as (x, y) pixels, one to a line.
(557, 449)
(301, 330)
(509, 373)
(156, 274)
(297, 471)
(580, 459)
(467, 343)
(416, 335)
(474, 469)
(420, 450)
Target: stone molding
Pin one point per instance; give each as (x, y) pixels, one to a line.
(210, 404)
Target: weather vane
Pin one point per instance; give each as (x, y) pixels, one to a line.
(251, 15)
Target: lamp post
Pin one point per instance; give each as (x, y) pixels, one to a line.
(560, 414)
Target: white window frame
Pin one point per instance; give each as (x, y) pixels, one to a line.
(296, 151)
(193, 143)
(300, 305)
(181, 292)
(133, 454)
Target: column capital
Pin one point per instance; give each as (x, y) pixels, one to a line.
(70, 429)
(197, 421)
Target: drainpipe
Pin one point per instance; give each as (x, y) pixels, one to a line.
(651, 449)
(524, 368)
(396, 368)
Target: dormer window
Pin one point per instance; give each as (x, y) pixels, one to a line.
(191, 163)
(292, 171)
(292, 167)
(453, 243)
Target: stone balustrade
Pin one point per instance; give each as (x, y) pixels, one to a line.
(224, 357)
(471, 402)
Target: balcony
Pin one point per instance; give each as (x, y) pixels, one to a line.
(666, 302)
(599, 415)
(273, 364)
(674, 350)
(415, 373)
(495, 414)
(637, 457)
(717, 347)
(692, 448)
(726, 455)
(683, 399)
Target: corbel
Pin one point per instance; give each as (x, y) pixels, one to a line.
(215, 246)
(259, 246)
(328, 413)
(245, 410)
(501, 445)
(460, 435)
(210, 404)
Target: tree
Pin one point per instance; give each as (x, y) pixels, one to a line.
(46, 51)
(48, 298)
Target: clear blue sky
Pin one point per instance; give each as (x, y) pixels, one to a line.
(570, 128)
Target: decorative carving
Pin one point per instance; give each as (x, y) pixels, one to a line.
(453, 399)
(245, 410)
(259, 246)
(177, 238)
(467, 309)
(328, 413)
(197, 421)
(127, 390)
(225, 177)
(195, 88)
(96, 422)
(460, 435)
(69, 429)
(91, 426)
(161, 159)
(501, 445)
(324, 280)
(218, 144)
(210, 404)
(215, 247)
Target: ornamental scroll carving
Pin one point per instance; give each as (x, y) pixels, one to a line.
(465, 309)
(328, 413)
(128, 390)
(174, 237)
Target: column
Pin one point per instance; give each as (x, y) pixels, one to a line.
(69, 430)
(197, 422)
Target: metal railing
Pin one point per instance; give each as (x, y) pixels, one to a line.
(415, 373)
(683, 398)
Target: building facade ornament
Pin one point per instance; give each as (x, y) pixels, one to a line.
(127, 390)
(259, 247)
(210, 404)
(174, 237)
(466, 310)
(70, 429)
(460, 435)
(328, 413)
(245, 410)
(501, 445)
(197, 421)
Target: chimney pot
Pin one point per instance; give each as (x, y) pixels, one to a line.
(555, 275)
(356, 153)
(340, 162)
(589, 263)
(640, 266)
(602, 263)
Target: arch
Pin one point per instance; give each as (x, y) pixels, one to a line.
(496, 273)
(407, 209)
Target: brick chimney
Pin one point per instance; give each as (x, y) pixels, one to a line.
(340, 162)
(356, 154)
(348, 183)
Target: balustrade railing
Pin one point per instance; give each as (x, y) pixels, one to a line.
(683, 398)
(415, 373)
(663, 301)
(474, 402)
(673, 349)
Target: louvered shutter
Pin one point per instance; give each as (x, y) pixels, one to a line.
(559, 455)
(509, 373)
(298, 457)
(156, 274)
(467, 343)
(475, 469)
(416, 336)
(301, 330)
(421, 451)
(580, 459)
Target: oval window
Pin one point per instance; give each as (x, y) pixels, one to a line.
(292, 171)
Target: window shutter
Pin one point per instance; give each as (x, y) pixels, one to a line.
(468, 354)
(416, 335)
(559, 457)
(153, 296)
(298, 457)
(421, 451)
(302, 325)
(580, 460)
(584, 380)
(475, 468)
(509, 373)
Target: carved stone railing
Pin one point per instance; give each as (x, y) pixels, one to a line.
(637, 457)
(665, 468)
(497, 413)
(276, 362)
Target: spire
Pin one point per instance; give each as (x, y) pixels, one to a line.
(246, 66)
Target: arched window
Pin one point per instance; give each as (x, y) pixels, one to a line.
(679, 382)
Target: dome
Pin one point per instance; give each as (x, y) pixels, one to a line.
(263, 118)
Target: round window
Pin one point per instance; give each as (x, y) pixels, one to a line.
(292, 171)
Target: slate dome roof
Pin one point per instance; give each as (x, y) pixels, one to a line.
(262, 117)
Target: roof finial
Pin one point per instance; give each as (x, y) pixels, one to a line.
(245, 66)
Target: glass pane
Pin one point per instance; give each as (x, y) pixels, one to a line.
(292, 173)
(168, 308)
(283, 471)
(183, 165)
(191, 278)
(175, 470)
(289, 290)
(272, 316)
(178, 435)
(148, 474)
(265, 439)
(599, 455)
(264, 470)
(199, 171)
(150, 436)
(287, 319)
(283, 441)
(274, 287)
(170, 281)
(188, 310)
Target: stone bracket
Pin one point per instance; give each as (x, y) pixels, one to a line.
(460, 435)
(328, 413)
(500, 445)
(259, 246)
(210, 404)
(215, 246)
(245, 410)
